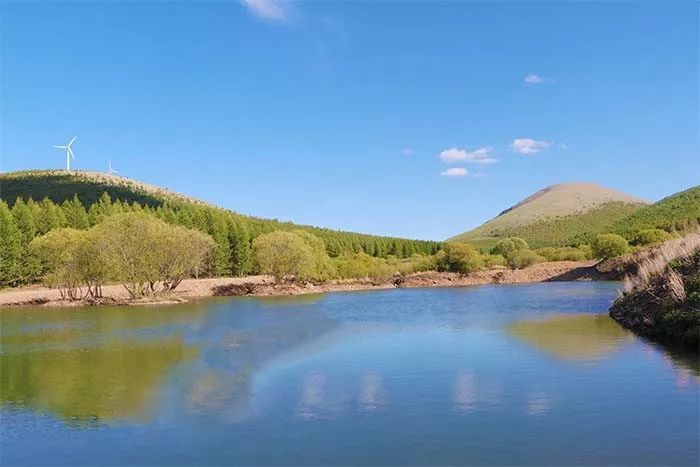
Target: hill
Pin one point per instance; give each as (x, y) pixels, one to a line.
(557, 215)
(679, 211)
(224, 225)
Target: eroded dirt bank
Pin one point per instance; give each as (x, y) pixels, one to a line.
(265, 286)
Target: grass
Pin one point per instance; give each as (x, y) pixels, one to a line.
(680, 211)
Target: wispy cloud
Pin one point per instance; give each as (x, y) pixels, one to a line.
(455, 172)
(272, 10)
(533, 79)
(407, 151)
(478, 156)
(529, 146)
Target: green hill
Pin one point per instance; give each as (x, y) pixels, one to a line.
(679, 211)
(224, 225)
(563, 214)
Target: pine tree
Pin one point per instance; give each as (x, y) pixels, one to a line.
(101, 209)
(10, 248)
(240, 249)
(24, 220)
(75, 214)
(49, 216)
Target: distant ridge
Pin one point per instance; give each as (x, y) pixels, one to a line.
(555, 214)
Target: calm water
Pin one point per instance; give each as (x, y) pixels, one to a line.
(529, 374)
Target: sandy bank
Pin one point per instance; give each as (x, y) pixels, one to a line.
(265, 286)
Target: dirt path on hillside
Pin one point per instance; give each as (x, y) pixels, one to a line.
(265, 286)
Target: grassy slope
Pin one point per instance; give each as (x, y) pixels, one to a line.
(675, 212)
(557, 215)
(58, 186)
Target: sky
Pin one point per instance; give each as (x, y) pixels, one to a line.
(412, 119)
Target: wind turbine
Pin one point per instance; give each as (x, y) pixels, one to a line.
(111, 170)
(69, 152)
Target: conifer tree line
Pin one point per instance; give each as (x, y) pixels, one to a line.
(232, 234)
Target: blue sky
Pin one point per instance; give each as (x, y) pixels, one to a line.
(415, 119)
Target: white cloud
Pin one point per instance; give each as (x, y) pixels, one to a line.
(529, 146)
(274, 10)
(407, 151)
(534, 79)
(455, 172)
(478, 156)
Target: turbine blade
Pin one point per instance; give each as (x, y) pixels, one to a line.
(70, 151)
(59, 147)
(71, 141)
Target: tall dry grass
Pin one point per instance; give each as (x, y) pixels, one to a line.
(653, 263)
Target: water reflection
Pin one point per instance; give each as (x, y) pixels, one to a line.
(538, 403)
(109, 381)
(373, 396)
(80, 367)
(464, 397)
(579, 337)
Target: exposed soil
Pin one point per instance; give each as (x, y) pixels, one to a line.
(265, 286)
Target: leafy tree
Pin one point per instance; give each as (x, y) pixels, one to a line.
(283, 255)
(57, 252)
(459, 257)
(147, 255)
(609, 246)
(10, 248)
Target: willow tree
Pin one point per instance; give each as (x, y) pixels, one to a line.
(147, 255)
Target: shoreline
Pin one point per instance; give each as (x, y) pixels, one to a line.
(264, 286)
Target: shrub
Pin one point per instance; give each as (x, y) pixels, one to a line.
(609, 246)
(562, 254)
(586, 250)
(459, 257)
(651, 236)
(491, 261)
(524, 258)
(504, 247)
(362, 265)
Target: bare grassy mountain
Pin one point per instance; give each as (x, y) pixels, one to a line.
(563, 211)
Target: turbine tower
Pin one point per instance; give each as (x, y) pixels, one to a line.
(69, 152)
(111, 170)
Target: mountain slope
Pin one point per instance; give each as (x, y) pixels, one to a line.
(89, 187)
(557, 215)
(679, 211)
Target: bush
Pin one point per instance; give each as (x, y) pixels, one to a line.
(504, 247)
(459, 257)
(562, 254)
(362, 265)
(491, 261)
(609, 245)
(524, 258)
(586, 250)
(651, 236)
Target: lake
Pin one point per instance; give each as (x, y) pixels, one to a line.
(531, 374)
